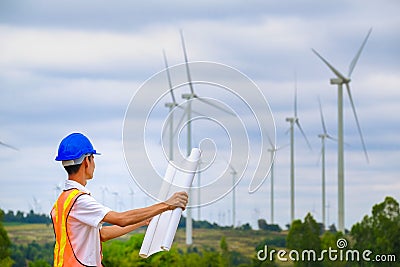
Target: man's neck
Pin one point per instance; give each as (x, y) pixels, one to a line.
(78, 178)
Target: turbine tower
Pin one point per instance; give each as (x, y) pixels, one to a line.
(294, 121)
(323, 136)
(341, 80)
(234, 173)
(273, 151)
(188, 97)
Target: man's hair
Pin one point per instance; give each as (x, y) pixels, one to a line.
(72, 169)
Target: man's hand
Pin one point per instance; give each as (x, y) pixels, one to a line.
(178, 200)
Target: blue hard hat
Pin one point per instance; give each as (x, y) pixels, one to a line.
(74, 146)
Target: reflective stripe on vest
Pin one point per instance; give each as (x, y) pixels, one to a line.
(63, 251)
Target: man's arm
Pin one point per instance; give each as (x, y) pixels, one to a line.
(114, 231)
(135, 216)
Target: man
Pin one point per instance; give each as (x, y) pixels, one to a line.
(77, 217)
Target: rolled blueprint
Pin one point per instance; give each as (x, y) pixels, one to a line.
(162, 228)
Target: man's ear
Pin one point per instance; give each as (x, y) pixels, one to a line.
(86, 162)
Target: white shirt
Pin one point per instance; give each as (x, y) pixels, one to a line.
(85, 221)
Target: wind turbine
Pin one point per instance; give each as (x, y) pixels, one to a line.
(323, 136)
(341, 80)
(294, 121)
(188, 97)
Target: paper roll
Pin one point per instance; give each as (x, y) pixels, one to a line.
(162, 228)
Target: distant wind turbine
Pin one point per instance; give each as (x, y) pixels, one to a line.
(294, 121)
(323, 136)
(339, 81)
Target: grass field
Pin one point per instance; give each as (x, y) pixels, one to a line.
(26, 233)
(242, 241)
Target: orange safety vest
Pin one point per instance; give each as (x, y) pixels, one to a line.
(64, 255)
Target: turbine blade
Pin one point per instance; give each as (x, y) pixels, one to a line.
(186, 63)
(355, 59)
(322, 116)
(169, 78)
(337, 73)
(304, 135)
(281, 147)
(192, 111)
(215, 106)
(9, 146)
(357, 122)
(332, 138)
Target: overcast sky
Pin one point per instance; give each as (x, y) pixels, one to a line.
(70, 66)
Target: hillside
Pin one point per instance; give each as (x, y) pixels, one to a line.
(243, 241)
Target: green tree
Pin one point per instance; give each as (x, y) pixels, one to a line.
(329, 241)
(39, 263)
(226, 261)
(124, 254)
(304, 237)
(380, 232)
(5, 244)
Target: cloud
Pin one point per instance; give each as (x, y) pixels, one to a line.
(74, 66)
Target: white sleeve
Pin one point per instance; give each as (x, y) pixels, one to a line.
(87, 210)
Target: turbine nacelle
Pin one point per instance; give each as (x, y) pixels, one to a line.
(323, 136)
(292, 120)
(340, 81)
(189, 96)
(171, 105)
